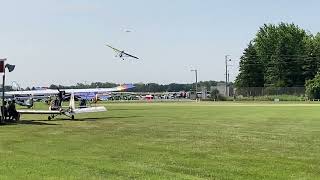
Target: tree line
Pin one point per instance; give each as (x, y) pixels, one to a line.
(139, 87)
(282, 55)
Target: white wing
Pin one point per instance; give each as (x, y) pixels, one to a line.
(38, 112)
(49, 92)
(90, 110)
(35, 92)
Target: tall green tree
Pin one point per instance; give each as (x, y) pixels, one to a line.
(282, 50)
(313, 87)
(251, 69)
(312, 59)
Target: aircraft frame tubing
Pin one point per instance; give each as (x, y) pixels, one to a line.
(52, 116)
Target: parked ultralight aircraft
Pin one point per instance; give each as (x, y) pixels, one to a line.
(56, 108)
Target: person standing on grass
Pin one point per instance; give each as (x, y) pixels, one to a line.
(13, 113)
(5, 110)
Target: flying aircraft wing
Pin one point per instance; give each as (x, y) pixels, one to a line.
(49, 92)
(115, 49)
(129, 55)
(122, 53)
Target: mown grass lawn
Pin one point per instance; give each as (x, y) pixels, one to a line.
(167, 141)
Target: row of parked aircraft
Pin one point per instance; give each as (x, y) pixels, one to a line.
(25, 98)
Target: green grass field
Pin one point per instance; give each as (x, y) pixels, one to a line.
(167, 141)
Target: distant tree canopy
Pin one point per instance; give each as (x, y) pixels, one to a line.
(140, 87)
(84, 86)
(173, 87)
(282, 55)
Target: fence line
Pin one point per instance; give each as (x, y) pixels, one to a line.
(268, 91)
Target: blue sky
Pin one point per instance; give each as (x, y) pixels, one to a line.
(63, 41)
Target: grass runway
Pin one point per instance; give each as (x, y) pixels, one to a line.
(168, 141)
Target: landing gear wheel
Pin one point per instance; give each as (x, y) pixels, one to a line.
(49, 118)
(72, 117)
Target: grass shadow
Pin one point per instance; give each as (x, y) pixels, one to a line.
(29, 122)
(93, 118)
(79, 119)
(33, 122)
(128, 109)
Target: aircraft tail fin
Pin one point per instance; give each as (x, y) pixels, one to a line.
(72, 105)
(29, 101)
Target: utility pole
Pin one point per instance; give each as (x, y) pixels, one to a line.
(196, 74)
(227, 59)
(3, 87)
(2, 70)
(228, 76)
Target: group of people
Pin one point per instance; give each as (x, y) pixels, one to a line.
(10, 112)
(83, 103)
(55, 104)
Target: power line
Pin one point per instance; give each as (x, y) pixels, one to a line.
(273, 61)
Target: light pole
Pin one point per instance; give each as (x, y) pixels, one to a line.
(228, 76)
(227, 73)
(3, 67)
(196, 74)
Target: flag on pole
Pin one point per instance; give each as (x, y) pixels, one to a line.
(2, 66)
